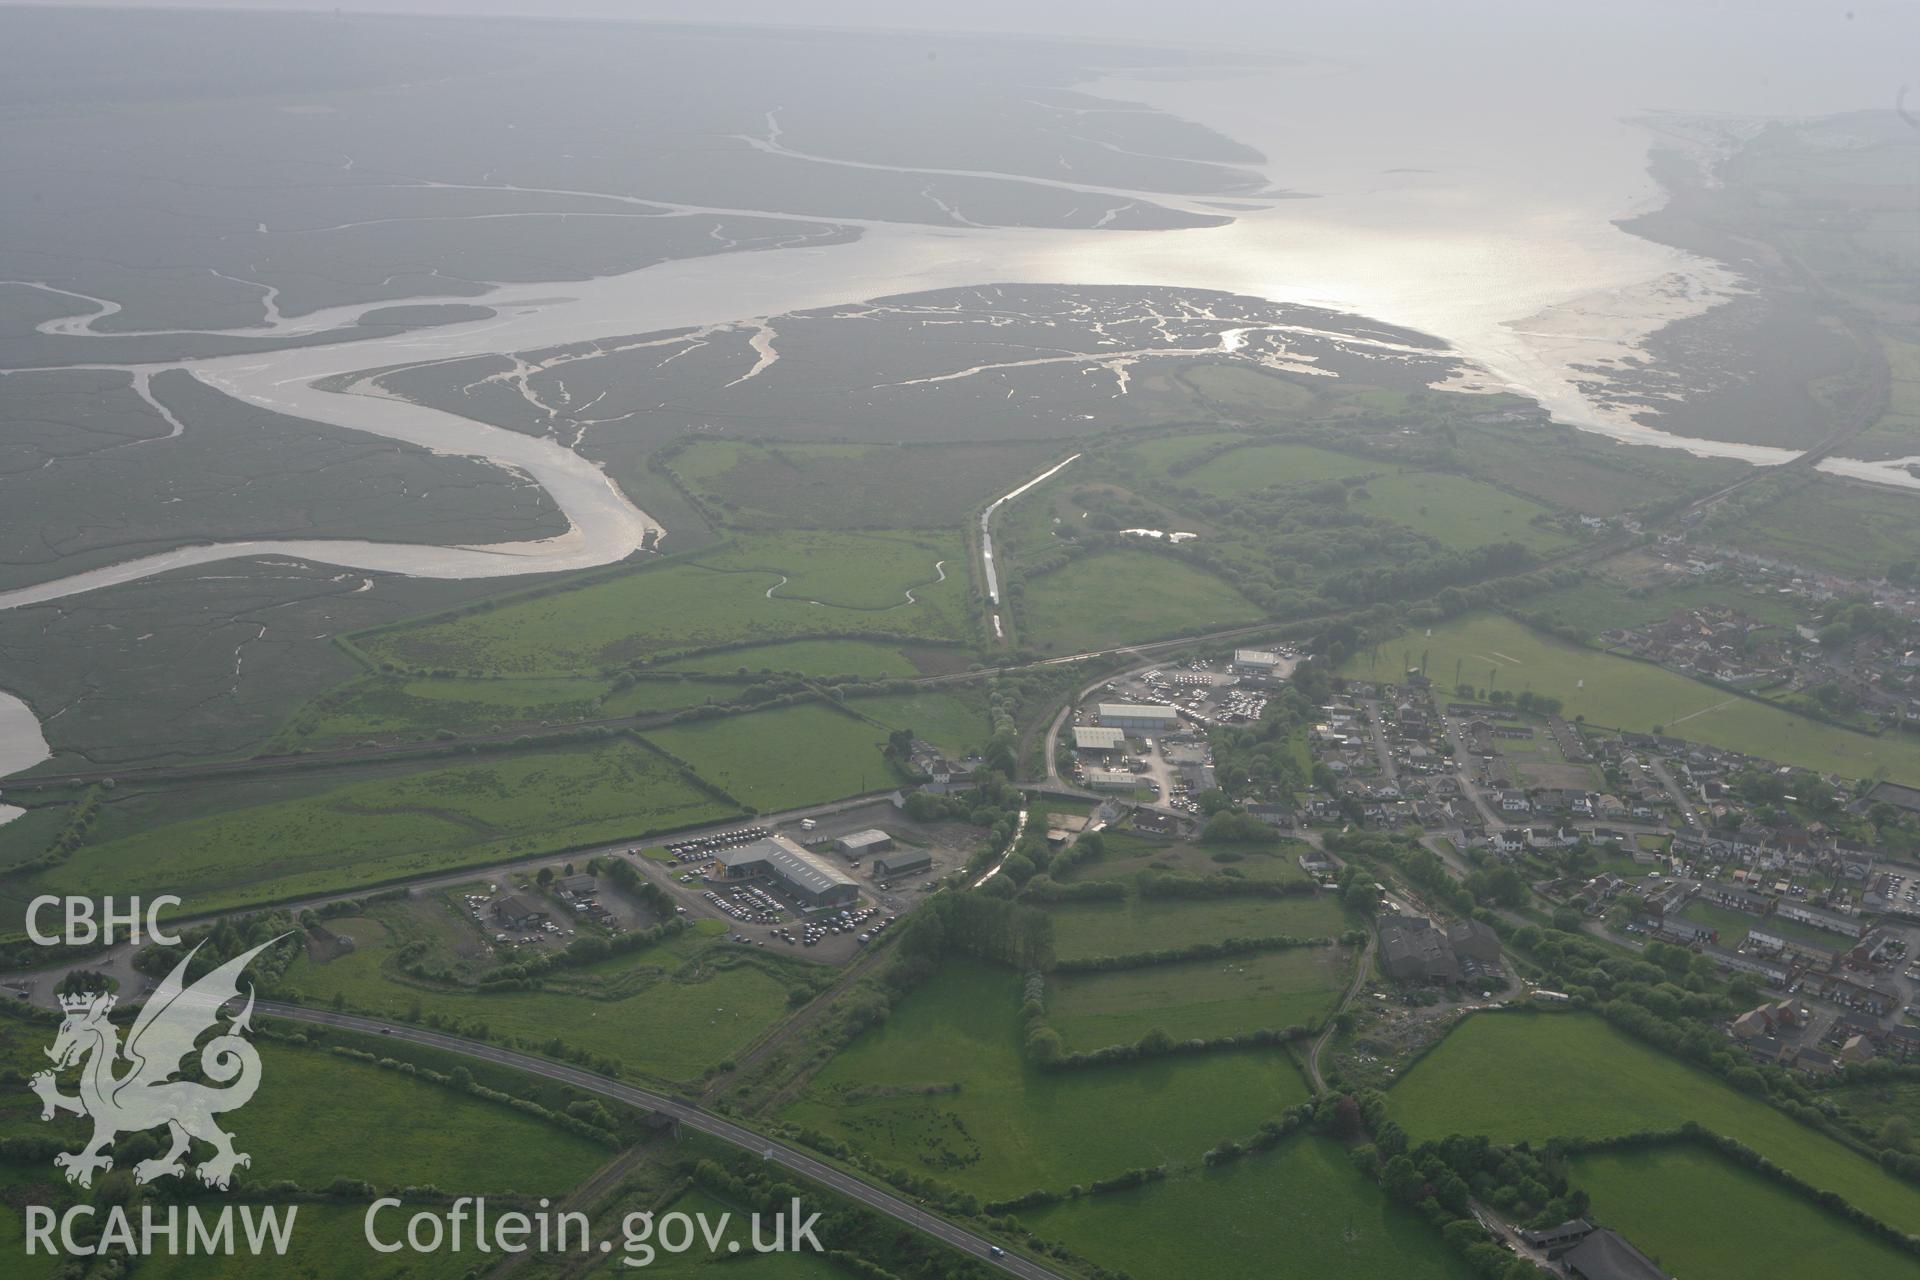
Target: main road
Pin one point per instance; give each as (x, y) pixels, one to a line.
(693, 1116)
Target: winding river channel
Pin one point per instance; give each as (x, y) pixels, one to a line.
(1525, 286)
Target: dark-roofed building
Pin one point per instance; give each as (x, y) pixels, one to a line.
(518, 912)
(1608, 1255)
(806, 875)
(1472, 938)
(1554, 1241)
(1412, 950)
(906, 862)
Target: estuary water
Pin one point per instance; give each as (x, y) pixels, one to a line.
(1484, 218)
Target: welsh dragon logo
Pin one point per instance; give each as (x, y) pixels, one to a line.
(144, 1094)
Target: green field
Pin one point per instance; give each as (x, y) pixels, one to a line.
(856, 486)
(1694, 1212)
(1261, 466)
(713, 996)
(1581, 472)
(956, 722)
(784, 757)
(1849, 528)
(309, 1121)
(1897, 433)
(1460, 513)
(807, 657)
(1627, 694)
(1127, 854)
(1012, 1127)
(1605, 601)
(389, 707)
(1156, 455)
(409, 824)
(1244, 390)
(1298, 1212)
(1114, 597)
(1574, 1076)
(1200, 999)
(1087, 929)
(721, 596)
(1876, 1103)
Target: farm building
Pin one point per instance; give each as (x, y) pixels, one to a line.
(575, 885)
(1607, 1255)
(905, 863)
(1112, 780)
(1554, 1241)
(807, 876)
(1101, 740)
(517, 912)
(1256, 662)
(1412, 950)
(1138, 715)
(861, 843)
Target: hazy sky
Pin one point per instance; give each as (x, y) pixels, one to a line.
(1775, 56)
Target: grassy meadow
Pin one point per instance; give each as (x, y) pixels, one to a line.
(1459, 512)
(1127, 854)
(1262, 466)
(784, 757)
(1011, 1127)
(806, 657)
(1694, 1211)
(1113, 597)
(390, 708)
(1087, 929)
(1575, 1076)
(953, 720)
(1298, 1212)
(764, 587)
(396, 825)
(310, 1120)
(668, 1012)
(1198, 998)
(861, 486)
(1848, 528)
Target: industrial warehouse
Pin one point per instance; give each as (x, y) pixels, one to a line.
(903, 863)
(1104, 740)
(1138, 715)
(861, 843)
(805, 876)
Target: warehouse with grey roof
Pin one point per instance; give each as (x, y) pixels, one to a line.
(905, 862)
(1104, 741)
(860, 843)
(807, 876)
(1138, 715)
